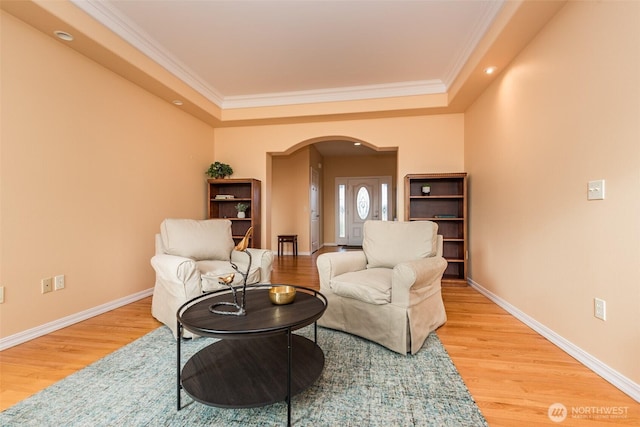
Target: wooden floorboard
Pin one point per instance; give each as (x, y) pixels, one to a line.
(513, 373)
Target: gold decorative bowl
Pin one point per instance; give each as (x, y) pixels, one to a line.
(281, 295)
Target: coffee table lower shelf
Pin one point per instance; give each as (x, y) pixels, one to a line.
(251, 372)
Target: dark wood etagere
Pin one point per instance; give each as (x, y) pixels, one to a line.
(225, 194)
(445, 204)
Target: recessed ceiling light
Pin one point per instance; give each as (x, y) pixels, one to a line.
(357, 143)
(63, 35)
(490, 70)
(177, 102)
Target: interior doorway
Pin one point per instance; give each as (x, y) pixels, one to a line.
(298, 204)
(359, 199)
(314, 202)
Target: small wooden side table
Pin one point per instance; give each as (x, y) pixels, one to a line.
(288, 238)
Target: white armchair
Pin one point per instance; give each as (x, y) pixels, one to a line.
(389, 292)
(190, 257)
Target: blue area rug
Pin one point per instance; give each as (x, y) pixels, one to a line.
(363, 384)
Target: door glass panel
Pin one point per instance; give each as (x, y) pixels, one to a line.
(342, 220)
(363, 203)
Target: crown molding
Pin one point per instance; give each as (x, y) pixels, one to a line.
(109, 16)
(477, 34)
(353, 93)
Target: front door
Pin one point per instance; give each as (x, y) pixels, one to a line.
(363, 205)
(359, 200)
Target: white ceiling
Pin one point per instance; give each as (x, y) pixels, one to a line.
(244, 53)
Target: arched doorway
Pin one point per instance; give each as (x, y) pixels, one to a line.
(293, 208)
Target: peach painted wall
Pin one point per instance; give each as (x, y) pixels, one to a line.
(290, 199)
(424, 143)
(90, 165)
(566, 111)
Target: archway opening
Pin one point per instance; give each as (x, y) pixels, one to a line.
(301, 183)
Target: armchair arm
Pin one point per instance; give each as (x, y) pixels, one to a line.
(259, 257)
(416, 280)
(178, 275)
(159, 245)
(335, 263)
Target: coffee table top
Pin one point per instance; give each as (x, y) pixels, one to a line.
(262, 317)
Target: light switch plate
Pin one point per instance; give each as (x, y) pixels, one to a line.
(600, 308)
(595, 190)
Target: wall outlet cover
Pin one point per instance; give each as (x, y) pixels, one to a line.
(58, 282)
(600, 308)
(47, 285)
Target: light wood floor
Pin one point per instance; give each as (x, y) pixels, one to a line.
(513, 373)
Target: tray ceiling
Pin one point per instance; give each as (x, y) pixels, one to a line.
(262, 53)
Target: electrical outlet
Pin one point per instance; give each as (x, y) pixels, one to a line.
(58, 282)
(1, 294)
(600, 308)
(47, 285)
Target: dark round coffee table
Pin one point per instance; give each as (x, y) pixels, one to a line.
(258, 360)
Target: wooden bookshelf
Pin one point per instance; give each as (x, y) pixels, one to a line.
(446, 205)
(225, 194)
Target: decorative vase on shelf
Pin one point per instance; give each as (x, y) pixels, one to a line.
(241, 207)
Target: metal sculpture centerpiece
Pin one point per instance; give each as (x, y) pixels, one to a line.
(228, 281)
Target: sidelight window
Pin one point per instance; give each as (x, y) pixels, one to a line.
(342, 210)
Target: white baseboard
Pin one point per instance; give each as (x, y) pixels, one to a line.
(47, 328)
(621, 382)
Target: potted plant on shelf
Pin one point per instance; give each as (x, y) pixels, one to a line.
(241, 208)
(219, 170)
(426, 189)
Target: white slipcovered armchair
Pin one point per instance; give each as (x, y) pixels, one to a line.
(389, 292)
(190, 257)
